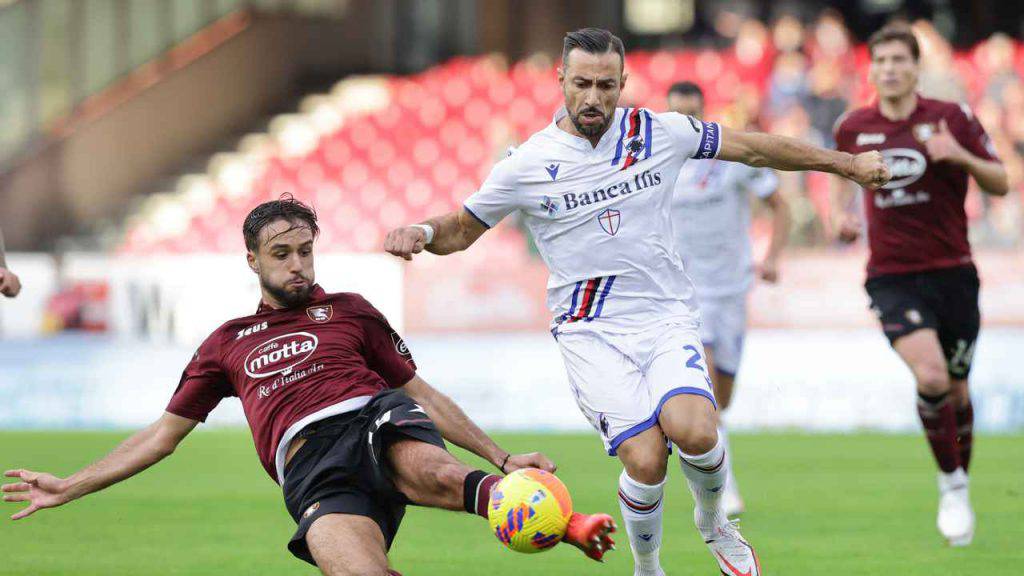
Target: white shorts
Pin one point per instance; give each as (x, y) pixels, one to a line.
(724, 329)
(621, 381)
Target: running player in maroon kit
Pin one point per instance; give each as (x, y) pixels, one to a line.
(338, 415)
(921, 279)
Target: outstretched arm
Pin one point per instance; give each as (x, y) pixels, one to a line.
(453, 232)
(458, 429)
(783, 153)
(143, 449)
(10, 284)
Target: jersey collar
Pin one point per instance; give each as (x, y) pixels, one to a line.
(579, 142)
(316, 294)
(917, 108)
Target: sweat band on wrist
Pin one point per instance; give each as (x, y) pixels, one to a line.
(428, 230)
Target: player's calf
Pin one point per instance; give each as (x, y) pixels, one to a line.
(428, 475)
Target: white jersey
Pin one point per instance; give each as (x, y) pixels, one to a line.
(600, 216)
(711, 212)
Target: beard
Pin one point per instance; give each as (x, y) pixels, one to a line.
(593, 130)
(288, 298)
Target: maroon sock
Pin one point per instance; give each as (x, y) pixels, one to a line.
(476, 491)
(965, 432)
(939, 420)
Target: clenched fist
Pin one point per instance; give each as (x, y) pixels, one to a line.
(405, 241)
(869, 170)
(10, 284)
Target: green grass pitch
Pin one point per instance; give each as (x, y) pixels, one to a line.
(818, 504)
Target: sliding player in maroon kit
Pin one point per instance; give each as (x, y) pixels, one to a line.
(921, 279)
(338, 415)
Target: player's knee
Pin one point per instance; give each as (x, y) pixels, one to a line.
(644, 464)
(932, 378)
(648, 471)
(697, 437)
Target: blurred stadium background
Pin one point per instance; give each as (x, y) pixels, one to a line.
(136, 134)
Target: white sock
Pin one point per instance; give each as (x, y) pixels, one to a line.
(723, 439)
(641, 512)
(706, 474)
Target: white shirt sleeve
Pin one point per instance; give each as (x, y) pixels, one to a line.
(695, 139)
(762, 182)
(497, 196)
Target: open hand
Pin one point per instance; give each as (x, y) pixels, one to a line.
(10, 284)
(943, 146)
(405, 241)
(531, 460)
(869, 170)
(40, 490)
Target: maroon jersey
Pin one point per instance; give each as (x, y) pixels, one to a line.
(294, 366)
(917, 221)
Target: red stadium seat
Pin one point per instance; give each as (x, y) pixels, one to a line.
(436, 136)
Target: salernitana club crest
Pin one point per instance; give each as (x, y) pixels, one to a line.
(320, 314)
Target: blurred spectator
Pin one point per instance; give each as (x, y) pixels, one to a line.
(794, 78)
(939, 75)
(788, 33)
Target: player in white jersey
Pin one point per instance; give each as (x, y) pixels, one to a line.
(595, 190)
(711, 210)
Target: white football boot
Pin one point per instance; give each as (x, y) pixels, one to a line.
(735, 556)
(956, 517)
(732, 502)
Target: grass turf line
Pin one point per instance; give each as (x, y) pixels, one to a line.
(818, 504)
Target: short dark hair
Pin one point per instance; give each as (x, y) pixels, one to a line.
(284, 208)
(895, 33)
(592, 41)
(686, 88)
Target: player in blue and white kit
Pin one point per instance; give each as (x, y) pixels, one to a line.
(711, 209)
(595, 191)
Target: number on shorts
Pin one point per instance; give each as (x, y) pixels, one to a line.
(694, 362)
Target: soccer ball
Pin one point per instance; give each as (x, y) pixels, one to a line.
(529, 510)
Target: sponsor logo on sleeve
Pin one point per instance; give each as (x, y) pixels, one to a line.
(400, 346)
